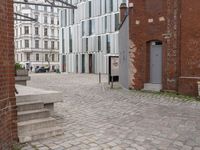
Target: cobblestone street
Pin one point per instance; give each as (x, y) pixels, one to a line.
(94, 117)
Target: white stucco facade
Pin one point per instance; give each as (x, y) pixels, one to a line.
(36, 43)
(88, 35)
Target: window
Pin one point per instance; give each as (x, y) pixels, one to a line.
(20, 30)
(36, 18)
(99, 43)
(28, 56)
(52, 9)
(36, 7)
(36, 43)
(26, 43)
(16, 32)
(45, 19)
(83, 29)
(111, 5)
(26, 30)
(26, 5)
(70, 40)
(20, 43)
(86, 44)
(52, 20)
(108, 43)
(45, 31)
(37, 57)
(116, 21)
(46, 57)
(17, 57)
(106, 22)
(53, 57)
(46, 44)
(52, 45)
(52, 32)
(90, 9)
(36, 31)
(90, 27)
(45, 8)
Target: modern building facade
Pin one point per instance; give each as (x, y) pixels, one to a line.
(88, 35)
(163, 45)
(36, 43)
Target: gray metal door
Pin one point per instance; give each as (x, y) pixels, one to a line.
(156, 63)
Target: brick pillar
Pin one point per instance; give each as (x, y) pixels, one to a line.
(8, 111)
(123, 11)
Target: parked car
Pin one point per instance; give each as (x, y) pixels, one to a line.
(41, 70)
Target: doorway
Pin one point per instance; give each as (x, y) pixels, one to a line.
(156, 62)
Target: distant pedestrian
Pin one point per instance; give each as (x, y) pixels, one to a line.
(31, 68)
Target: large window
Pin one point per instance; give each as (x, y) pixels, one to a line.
(45, 8)
(36, 18)
(36, 43)
(52, 44)
(45, 19)
(37, 57)
(52, 20)
(46, 57)
(36, 7)
(52, 32)
(46, 44)
(26, 30)
(36, 31)
(53, 57)
(28, 56)
(45, 31)
(26, 43)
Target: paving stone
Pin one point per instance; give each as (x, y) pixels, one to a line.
(94, 116)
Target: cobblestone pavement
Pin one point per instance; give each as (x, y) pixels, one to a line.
(94, 117)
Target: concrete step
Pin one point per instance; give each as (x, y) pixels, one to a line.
(25, 127)
(27, 106)
(152, 87)
(41, 134)
(33, 114)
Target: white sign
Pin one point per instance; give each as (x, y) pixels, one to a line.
(114, 66)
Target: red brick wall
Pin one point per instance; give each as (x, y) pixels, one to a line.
(190, 47)
(8, 117)
(150, 20)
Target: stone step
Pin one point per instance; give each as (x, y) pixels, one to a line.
(41, 134)
(25, 127)
(32, 114)
(152, 87)
(27, 106)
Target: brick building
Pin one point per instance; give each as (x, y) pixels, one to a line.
(8, 113)
(164, 45)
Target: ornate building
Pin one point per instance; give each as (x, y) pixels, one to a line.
(36, 43)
